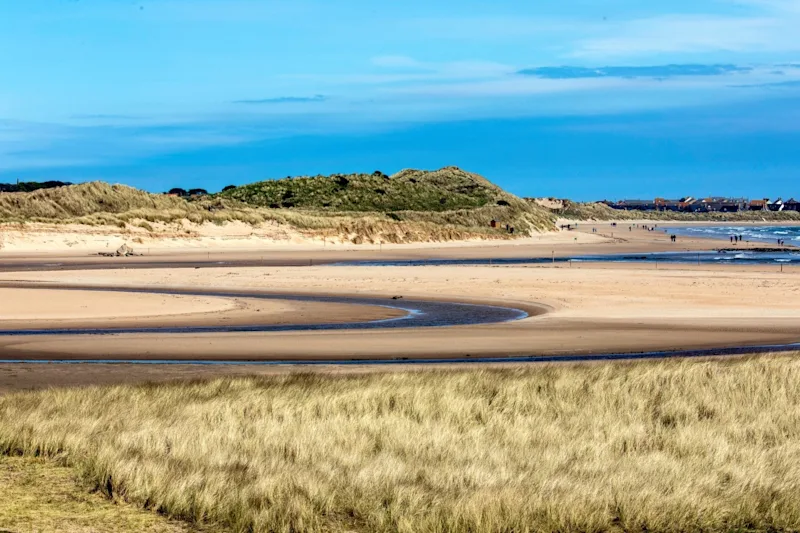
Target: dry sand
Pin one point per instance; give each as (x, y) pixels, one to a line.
(184, 235)
(36, 305)
(608, 240)
(40, 308)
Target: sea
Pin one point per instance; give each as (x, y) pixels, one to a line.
(766, 234)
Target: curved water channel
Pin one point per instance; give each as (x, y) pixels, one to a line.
(419, 313)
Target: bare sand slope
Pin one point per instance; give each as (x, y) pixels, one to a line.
(184, 235)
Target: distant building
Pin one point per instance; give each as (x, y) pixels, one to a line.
(635, 205)
(693, 205)
(663, 204)
(722, 204)
(791, 205)
(711, 204)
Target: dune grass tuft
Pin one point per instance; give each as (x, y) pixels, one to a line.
(672, 446)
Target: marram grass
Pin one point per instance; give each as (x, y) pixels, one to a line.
(411, 206)
(670, 446)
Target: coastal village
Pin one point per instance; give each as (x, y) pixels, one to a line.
(713, 204)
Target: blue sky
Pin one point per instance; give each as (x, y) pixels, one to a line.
(577, 98)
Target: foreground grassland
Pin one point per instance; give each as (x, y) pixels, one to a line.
(38, 495)
(411, 206)
(668, 446)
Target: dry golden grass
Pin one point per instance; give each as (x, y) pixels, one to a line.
(670, 446)
(101, 204)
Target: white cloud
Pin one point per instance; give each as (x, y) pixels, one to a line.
(215, 11)
(694, 34)
(777, 6)
(396, 62)
(490, 28)
(449, 69)
(404, 70)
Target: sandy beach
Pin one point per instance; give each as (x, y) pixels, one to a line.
(591, 307)
(25, 309)
(581, 241)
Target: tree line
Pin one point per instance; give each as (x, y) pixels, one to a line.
(30, 186)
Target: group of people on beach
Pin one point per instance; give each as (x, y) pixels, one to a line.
(644, 227)
(736, 239)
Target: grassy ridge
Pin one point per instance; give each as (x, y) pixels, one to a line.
(447, 189)
(81, 200)
(671, 446)
(410, 206)
(448, 200)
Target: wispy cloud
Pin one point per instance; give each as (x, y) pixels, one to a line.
(693, 34)
(488, 28)
(772, 85)
(654, 71)
(397, 61)
(102, 116)
(283, 100)
(398, 70)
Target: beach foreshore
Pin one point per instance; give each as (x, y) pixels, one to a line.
(585, 239)
(593, 308)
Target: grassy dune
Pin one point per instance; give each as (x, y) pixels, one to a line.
(446, 189)
(669, 446)
(410, 206)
